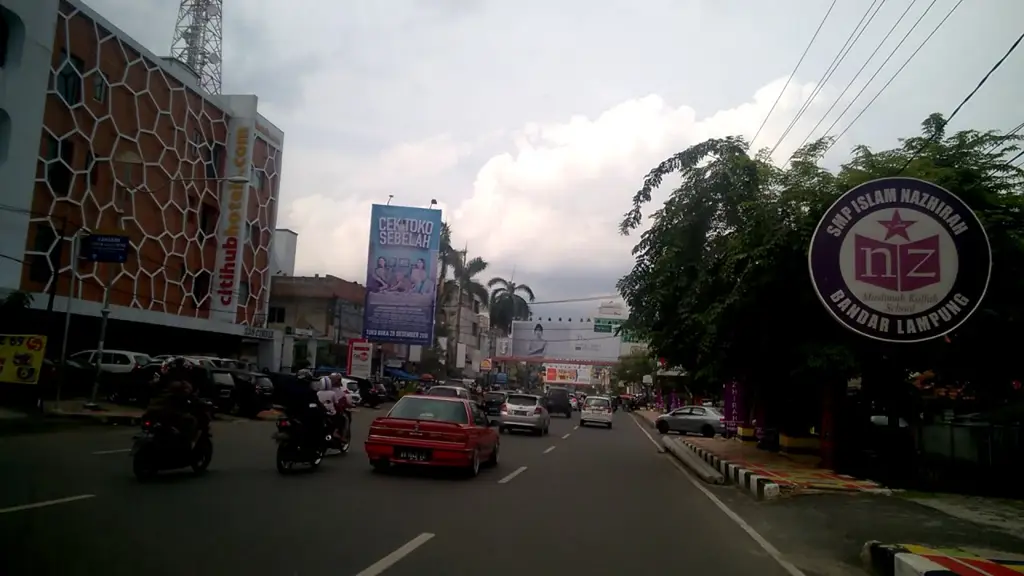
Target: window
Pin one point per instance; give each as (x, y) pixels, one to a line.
(93, 168)
(207, 219)
(99, 87)
(261, 180)
(521, 400)
(243, 293)
(116, 359)
(201, 286)
(275, 315)
(69, 79)
(213, 165)
(476, 329)
(60, 157)
(5, 37)
(476, 307)
(197, 139)
(597, 403)
(39, 269)
(413, 408)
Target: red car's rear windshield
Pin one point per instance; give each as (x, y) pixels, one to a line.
(422, 408)
(444, 392)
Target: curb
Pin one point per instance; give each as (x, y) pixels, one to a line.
(894, 560)
(761, 487)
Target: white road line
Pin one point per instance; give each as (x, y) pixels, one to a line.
(390, 560)
(550, 448)
(764, 544)
(566, 436)
(46, 503)
(576, 427)
(515, 473)
(648, 434)
(121, 451)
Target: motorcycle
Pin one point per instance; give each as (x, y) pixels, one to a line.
(295, 446)
(161, 447)
(369, 398)
(342, 439)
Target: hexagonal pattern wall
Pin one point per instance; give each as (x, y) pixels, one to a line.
(127, 148)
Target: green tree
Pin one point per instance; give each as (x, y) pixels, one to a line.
(632, 369)
(465, 288)
(720, 282)
(509, 302)
(14, 309)
(445, 256)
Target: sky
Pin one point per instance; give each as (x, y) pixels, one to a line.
(532, 123)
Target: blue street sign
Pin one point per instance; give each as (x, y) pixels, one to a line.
(105, 248)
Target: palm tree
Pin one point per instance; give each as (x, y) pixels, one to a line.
(445, 256)
(13, 310)
(466, 288)
(509, 302)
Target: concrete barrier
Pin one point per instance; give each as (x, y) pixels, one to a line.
(689, 459)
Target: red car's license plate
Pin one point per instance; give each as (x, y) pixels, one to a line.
(413, 455)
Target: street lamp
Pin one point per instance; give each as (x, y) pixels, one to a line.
(433, 202)
(390, 196)
(105, 311)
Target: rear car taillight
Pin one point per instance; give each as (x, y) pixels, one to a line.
(504, 409)
(538, 410)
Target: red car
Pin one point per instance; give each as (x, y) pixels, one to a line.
(433, 431)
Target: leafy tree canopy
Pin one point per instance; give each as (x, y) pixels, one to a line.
(509, 302)
(721, 287)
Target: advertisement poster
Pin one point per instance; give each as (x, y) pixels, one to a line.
(360, 359)
(401, 275)
(569, 342)
(566, 374)
(21, 358)
(732, 394)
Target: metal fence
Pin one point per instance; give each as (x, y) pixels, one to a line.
(971, 457)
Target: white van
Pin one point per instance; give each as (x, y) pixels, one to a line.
(596, 410)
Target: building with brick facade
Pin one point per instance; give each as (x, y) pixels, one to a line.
(99, 135)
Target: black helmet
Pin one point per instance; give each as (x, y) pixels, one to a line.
(177, 368)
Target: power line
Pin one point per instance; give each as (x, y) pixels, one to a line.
(1005, 137)
(886, 61)
(854, 79)
(793, 74)
(966, 99)
(841, 55)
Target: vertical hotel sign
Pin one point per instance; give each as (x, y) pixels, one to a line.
(234, 201)
(401, 275)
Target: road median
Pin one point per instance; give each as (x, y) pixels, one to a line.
(689, 458)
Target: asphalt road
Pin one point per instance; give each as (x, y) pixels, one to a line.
(589, 500)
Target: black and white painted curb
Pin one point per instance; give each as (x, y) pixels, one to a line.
(894, 560)
(761, 487)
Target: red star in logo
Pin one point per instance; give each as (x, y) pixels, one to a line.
(897, 226)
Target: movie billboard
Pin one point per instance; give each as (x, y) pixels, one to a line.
(563, 342)
(401, 275)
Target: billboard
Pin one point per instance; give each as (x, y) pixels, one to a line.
(565, 342)
(234, 201)
(401, 275)
(566, 374)
(360, 359)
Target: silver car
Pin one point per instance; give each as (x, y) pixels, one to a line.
(702, 420)
(525, 412)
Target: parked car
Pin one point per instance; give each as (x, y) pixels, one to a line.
(117, 361)
(692, 419)
(433, 431)
(254, 393)
(525, 412)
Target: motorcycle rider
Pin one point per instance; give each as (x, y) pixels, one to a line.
(305, 406)
(176, 403)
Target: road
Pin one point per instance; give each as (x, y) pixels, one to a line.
(588, 500)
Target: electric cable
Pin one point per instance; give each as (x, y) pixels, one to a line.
(894, 76)
(966, 99)
(841, 55)
(793, 74)
(854, 79)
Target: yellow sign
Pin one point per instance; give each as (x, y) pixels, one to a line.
(485, 364)
(21, 358)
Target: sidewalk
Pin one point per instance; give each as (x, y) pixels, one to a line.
(793, 474)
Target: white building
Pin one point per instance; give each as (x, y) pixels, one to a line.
(98, 135)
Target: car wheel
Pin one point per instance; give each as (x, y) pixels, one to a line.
(493, 460)
(474, 468)
(583, 423)
(707, 431)
(662, 427)
(609, 425)
(502, 430)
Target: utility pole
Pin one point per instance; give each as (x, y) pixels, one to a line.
(458, 309)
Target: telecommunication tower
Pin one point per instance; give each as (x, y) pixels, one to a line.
(198, 39)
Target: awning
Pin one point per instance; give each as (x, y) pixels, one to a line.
(400, 374)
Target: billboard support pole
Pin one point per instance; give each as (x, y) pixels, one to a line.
(458, 310)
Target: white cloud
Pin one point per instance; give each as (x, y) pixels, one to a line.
(550, 204)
